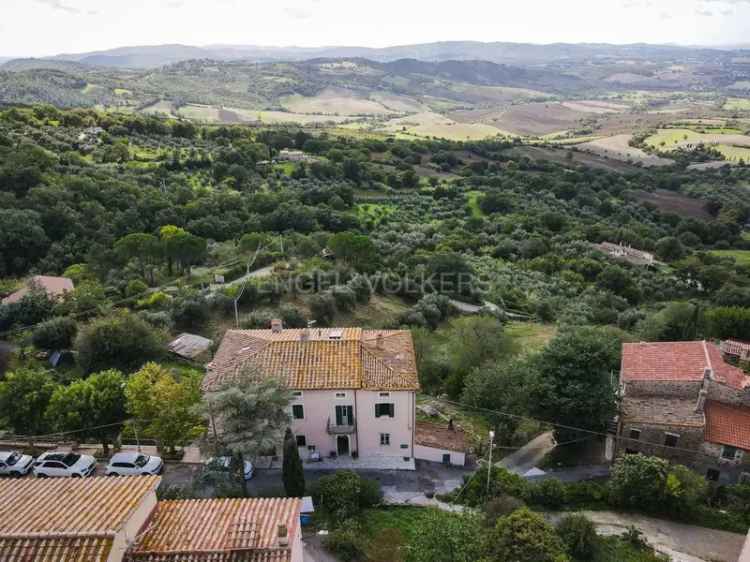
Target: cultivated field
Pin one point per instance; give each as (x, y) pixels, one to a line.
(526, 119)
(430, 124)
(671, 202)
(334, 102)
(617, 147)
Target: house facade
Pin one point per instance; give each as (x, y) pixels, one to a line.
(682, 401)
(353, 390)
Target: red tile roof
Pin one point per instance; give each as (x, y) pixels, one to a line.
(727, 425)
(54, 287)
(67, 519)
(218, 530)
(332, 358)
(678, 361)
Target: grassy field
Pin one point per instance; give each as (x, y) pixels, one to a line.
(530, 336)
(333, 102)
(732, 145)
(734, 153)
(742, 257)
(472, 201)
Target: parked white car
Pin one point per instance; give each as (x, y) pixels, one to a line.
(134, 464)
(64, 464)
(222, 464)
(13, 463)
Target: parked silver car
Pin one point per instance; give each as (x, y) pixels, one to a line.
(13, 463)
(134, 464)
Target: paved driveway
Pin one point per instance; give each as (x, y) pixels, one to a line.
(682, 543)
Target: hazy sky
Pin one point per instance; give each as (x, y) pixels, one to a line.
(43, 27)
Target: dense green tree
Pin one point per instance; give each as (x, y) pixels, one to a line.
(56, 333)
(524, 536)
(356, 250)
(572, 382)
(122, 340)
(728, 322)
(149, 391)
(95, 404)
(578, 534)
(24, 396)
(292, 473)
(22, 239)
(248, 418)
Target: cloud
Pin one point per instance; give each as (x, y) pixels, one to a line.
(176, 4)
(298, 13)
(704, 13)
(665, 16)
(59, 5)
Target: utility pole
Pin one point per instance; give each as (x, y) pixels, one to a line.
(489, 464)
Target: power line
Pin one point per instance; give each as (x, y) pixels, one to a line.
(574, 428)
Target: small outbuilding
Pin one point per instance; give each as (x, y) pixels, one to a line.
(190, 346)
(55, 287)
(440, 443)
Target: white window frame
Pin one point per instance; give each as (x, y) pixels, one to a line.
(385, 439)
(384, 395)
(298, 394)
(340, 395)
(294, 418)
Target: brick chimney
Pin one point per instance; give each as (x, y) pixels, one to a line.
(277, 325)
(708, 374)
(700, 405)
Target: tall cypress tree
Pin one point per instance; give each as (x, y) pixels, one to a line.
(293, 475)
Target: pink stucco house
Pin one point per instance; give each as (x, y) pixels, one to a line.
(353, 389)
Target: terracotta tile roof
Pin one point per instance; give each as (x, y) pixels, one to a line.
(218, 530)
(67, 518)
(654, 410)
(727, 425)
(54, 286)
(332, 358)
(678, 361)
(430, 434)
(55, 549)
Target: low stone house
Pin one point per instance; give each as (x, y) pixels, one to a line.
(443, 443)
(682, 401)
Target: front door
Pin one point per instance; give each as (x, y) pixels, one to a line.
(342, 445)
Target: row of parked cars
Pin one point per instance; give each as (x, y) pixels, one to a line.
(57, 464)
(61, 464)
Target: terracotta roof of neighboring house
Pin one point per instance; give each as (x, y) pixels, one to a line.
(678, 361)
(218, 530)
(735, 347)
(430, 434)
(54, 286)
(67, 519)
(330, 358)
(727, 425)
(661, 411)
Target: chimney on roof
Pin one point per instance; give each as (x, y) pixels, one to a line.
(700, 405)
(379, 340)
(282, 534)
(708, 374)
(277, 325)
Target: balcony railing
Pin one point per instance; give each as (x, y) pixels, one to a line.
(334, 429)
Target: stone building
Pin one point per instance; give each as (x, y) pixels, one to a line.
(682, 401)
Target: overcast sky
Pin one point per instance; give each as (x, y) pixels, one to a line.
(45, 27)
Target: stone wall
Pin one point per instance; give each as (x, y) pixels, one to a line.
(723, 393)
(677, 389)
(651, 442)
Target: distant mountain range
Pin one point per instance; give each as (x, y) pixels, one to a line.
(498, 52)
